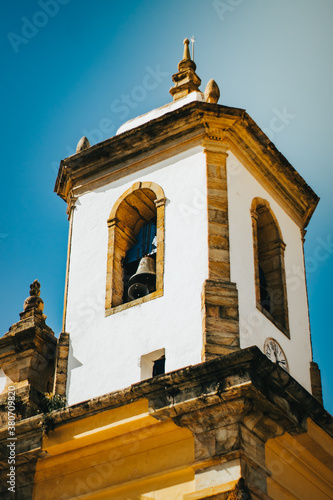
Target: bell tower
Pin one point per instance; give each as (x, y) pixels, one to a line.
(186, 244)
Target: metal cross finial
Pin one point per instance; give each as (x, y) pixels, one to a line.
(192, 41)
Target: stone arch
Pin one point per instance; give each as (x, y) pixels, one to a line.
(134, 208)
(270, 280)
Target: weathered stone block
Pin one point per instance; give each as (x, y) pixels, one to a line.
(220, 333)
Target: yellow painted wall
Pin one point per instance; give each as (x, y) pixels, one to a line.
(301, 466)
(126, 454)
(122, 454)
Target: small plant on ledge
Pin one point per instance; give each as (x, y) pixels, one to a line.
(50, 402)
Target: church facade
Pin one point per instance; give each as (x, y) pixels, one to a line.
(185, 357)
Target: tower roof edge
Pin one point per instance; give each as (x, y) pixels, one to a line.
(182, 128)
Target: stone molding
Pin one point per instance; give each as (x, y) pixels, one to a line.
(218, 380)
(232, 405)
(189, 126)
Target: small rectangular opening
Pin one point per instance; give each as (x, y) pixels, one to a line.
(152, 364)
(159, 366)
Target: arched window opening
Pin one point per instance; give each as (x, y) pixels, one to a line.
(265, 299)
(271, 293)
(139, 266)
(135, 261)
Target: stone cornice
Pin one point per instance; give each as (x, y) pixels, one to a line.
(194, 124)
(249, 143)
(245, 378)
(231, 405)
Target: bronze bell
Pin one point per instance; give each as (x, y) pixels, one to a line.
(143, 281)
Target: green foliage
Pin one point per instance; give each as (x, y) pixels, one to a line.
(49, 403)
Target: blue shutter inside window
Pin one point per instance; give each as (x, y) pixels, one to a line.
(146, 243)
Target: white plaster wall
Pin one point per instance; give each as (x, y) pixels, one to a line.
(105, 352)
(255, 327)
(218, 474)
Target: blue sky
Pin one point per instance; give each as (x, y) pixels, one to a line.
(65, 64)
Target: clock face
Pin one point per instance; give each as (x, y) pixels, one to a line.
(275, 353)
